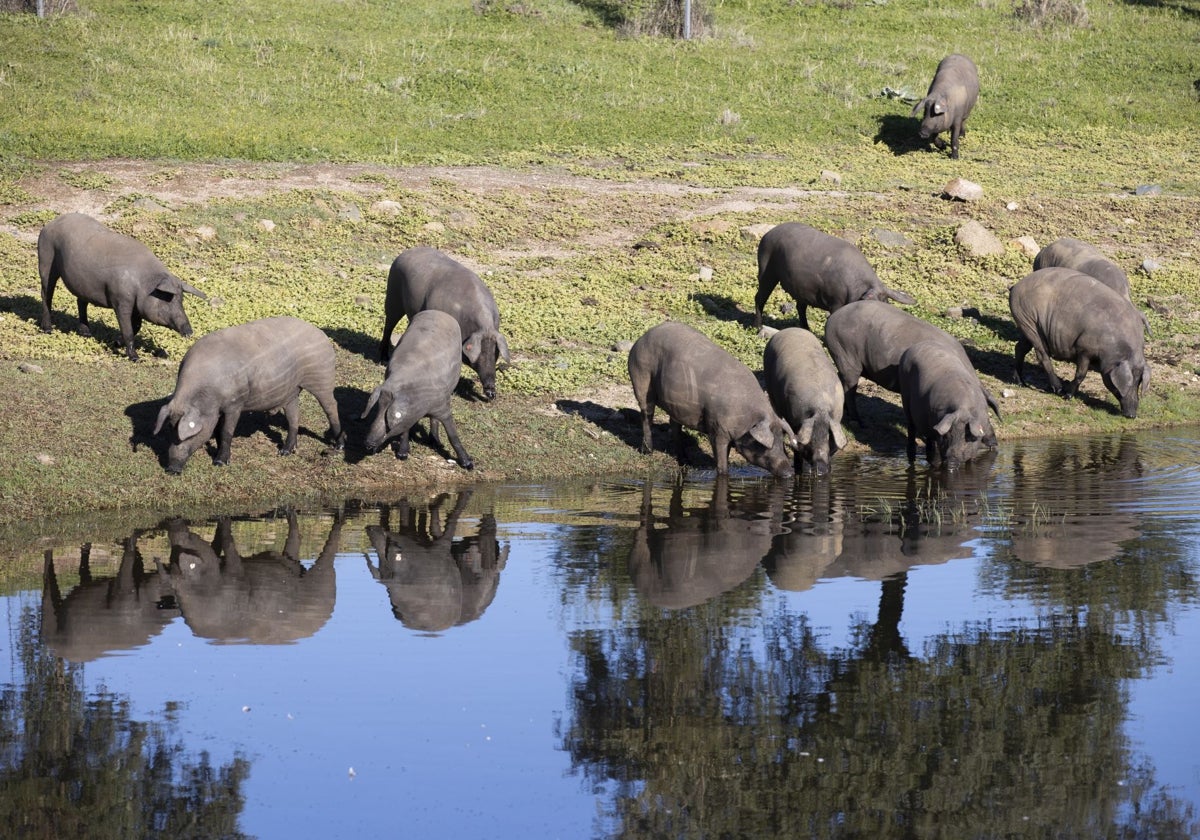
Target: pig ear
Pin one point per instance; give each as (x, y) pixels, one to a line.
(839, 435)
(946, 424)
(164, 414)
(371, 402)
(189, 424)
(976, 430)
(939, 108)
(502, 347)
(471, 347)
(761, 432)
(192, 290)
(804, 436)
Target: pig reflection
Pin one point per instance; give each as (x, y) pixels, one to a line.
(104, 615)
(267, 598)
(1068, 500)
(434, 581)
(810, 542)
(695, 555)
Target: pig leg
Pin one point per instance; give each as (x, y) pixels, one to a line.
(49, 281)
(291, 412)
(328, 404)
(447, 420)
(125, 321)
(766, 285)
(401, 446)
(1022, 349)
(678, 444)
(956, 131)
(1082, 365)
(83, 329)
(229, 421)
(721, 444)
(647, 422)
(912, 441)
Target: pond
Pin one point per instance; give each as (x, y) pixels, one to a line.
(1007, 650)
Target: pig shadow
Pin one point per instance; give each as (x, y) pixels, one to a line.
(355, 342)
(626, 425)
(900, 133)
(724, 308)
(30, 309)
(143, 416)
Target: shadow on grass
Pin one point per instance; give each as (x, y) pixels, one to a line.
(30, 309)
(352, 402)
(724, 308)
(900, 134)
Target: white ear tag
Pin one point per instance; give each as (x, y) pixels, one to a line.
(191, 424)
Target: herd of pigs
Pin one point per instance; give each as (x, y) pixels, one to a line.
(1075, 306)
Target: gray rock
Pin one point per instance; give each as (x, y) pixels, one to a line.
(978, 241)
(623, 346)
(1148, 189)
(828, 176)
(1028, 245)
(29, 367)
(753, 233)
(350, 213)
(1151, 265)
(890, 238)
(963, 190)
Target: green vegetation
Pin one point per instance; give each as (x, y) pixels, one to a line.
(279, 156)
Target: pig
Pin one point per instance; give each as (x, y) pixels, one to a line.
(421, 377)
(1073, 253)
(109, 269)
(258, 366)
(1071, 316)
(867, 338)
(943, 405)
(816, 269)
(702, 386)
(946, 106)
(425, 278)
(804, 390)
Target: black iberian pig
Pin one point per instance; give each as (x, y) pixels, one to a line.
(944, 406)
(869, 337)
(1071, 316)
(425, 278)
(702, 386)
(420, 379)
(259, 366)
(805, 391)
(1081, 256)
(946, 106)
(817, 269)
(109, 269)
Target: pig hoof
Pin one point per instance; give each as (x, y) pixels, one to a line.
(468, 464)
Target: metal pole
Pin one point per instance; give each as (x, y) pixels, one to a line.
(687, 20)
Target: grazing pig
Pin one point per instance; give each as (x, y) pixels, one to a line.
(102, 267)
(805, 391)
(425, 278)
(867, 339)
(1073, 253)
(702, 386)
(816, 269)
(946, 106)
(1070, 316)
(421, 377)
(259, 366)
(943, 405)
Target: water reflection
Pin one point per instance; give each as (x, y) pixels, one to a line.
(888, 652)
(267, 598)
(101, 615)
(433, 579)
(696, 554)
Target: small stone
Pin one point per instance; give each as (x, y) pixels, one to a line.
(387, 207)
(433, 227)
(1028, 245)
(1148, 189)
(890, 238)
(266, 224)
(363, 301)
(29, 367)
(828, 176)
(978, 240)
(350, 213)
(963, 190)
(148, 204)
(1012, 206)
(753, 233)
(706, 273)
(44, 459)
(206, 232)
(1150, 265)
(954, 312)
(1008, 393)
(766, 332)
(623, 346)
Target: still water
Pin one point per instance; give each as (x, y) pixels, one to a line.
(1006, 651)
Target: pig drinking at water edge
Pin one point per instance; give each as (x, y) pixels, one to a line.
(259, 366)
(702, 386)
(805, 391)
(421, 377)
(943, 405)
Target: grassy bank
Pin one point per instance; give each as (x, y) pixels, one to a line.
(594, 180)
